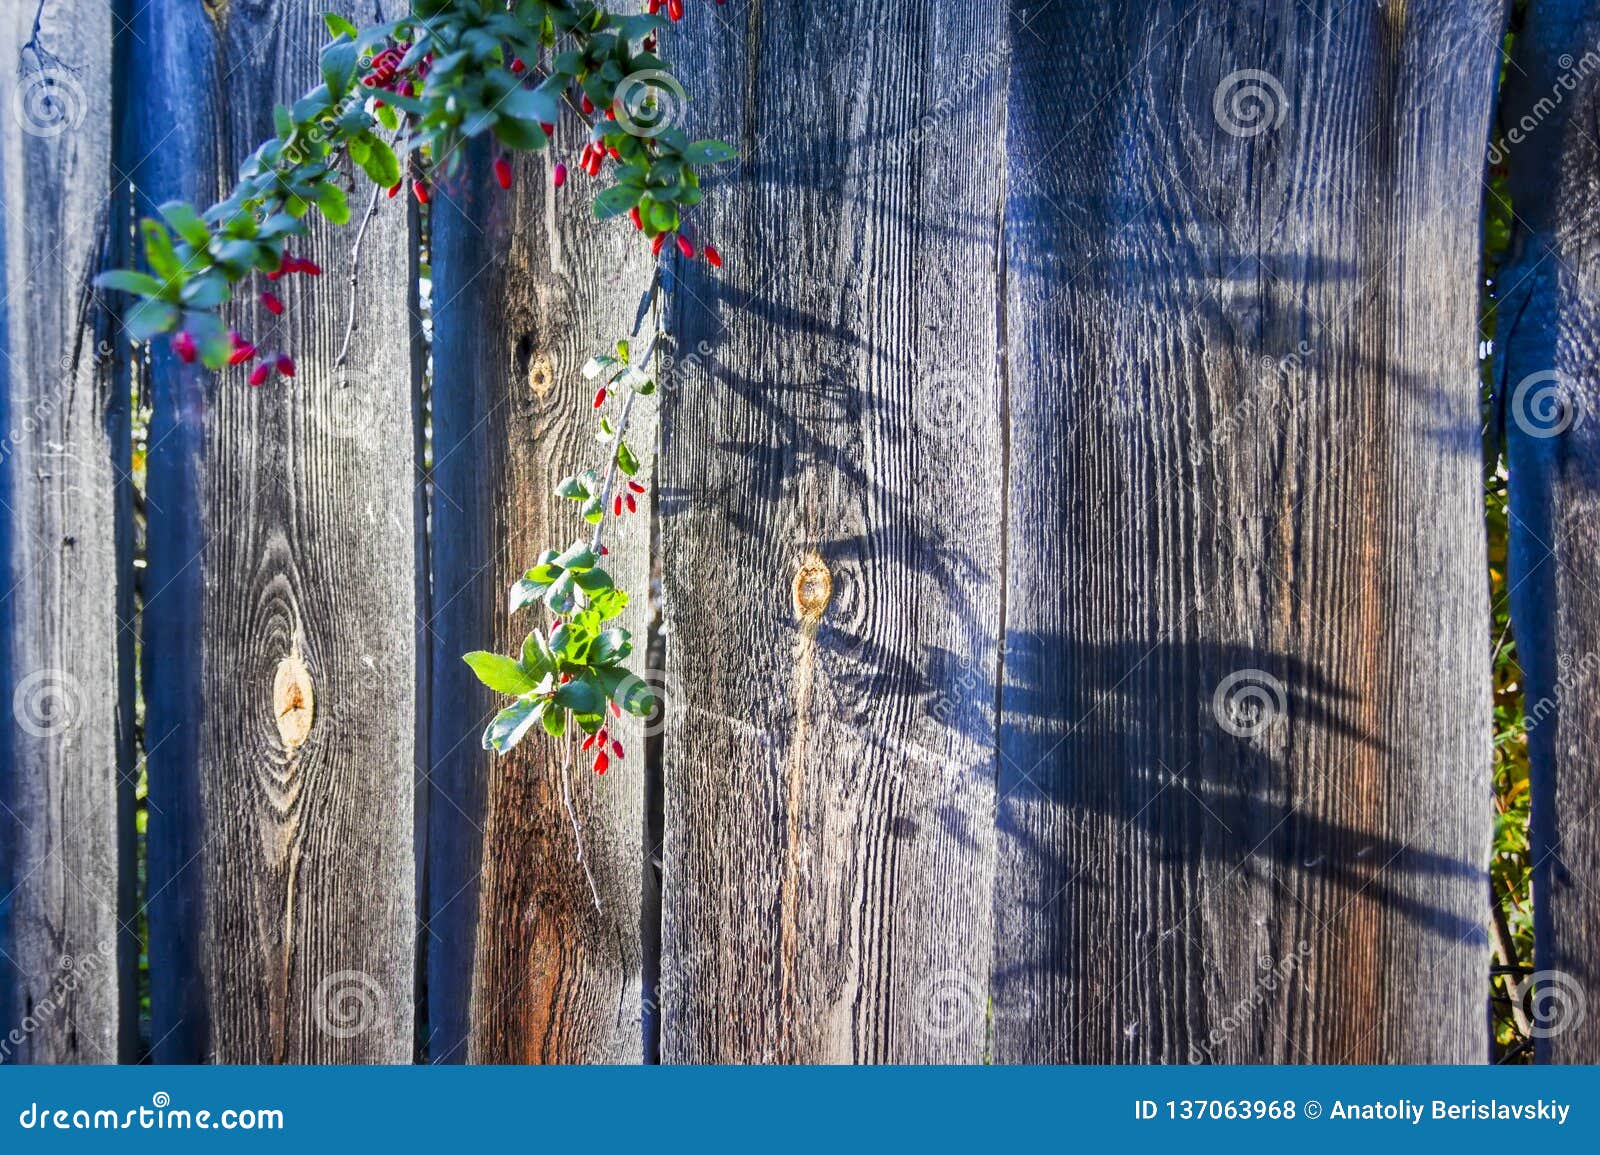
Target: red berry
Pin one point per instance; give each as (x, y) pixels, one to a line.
(273, 304)
(517, 67)
(685, 247)
(502, 171)
(675, 9)
(420, 190)
(393, 191)
(549, 129)
(616, 710)
(616, 748)
(713, 256)
(616, 505)
(601, 762)
(588, 742)
(309, 268)
(286, 364)
(588, 105)
(599, 397)
(561, 175)
(183, 345)
(242, 350)
(655, 245)
(633, 506)
(261, 373)
(633, 215)
(636, 487)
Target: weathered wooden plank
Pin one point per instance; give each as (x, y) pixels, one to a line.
(66, 659)
(831, 540)
(1549, 408)
(521, 965)
(280, 596)
(1244, 755)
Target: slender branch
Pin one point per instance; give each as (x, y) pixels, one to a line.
(577, 827)
(1505, 947)
(355, 275)
(627, 413)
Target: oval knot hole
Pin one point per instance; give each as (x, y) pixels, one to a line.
(292, 702)
(813, 586)
(541, 376)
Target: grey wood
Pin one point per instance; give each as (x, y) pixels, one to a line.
(1241, 257)
(831, 535)
(66, 771)
(279, 640)
(1549, 344)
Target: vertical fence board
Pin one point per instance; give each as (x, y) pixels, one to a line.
(522, 966)
(1549, 409)
(831, 537)
(280, 591)
(65, 659)
(1244, 755)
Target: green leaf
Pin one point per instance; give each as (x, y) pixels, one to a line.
(709, 152)
(512, 724)
(150, 318)
(524, 593)
(128, 281)
(339, 61)
(559, 597)
(182, 217)
(555, 721)
(334, 204)
(206, 291)
(610, 647)
(615, 201)
(158, 251)
(570, 487)
(578, 557)
(581, 696)
(379, 163)
(626, 461)
(592, 580)
(500, 673)
(525, 135)
(338, 25)
(537, 657)
(529, 104)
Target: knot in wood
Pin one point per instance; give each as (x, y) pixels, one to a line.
(293, 704)
(541, 376)
(813, 586)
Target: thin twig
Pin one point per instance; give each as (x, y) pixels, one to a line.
(577, 827)
(1505, 946)
(355, 275)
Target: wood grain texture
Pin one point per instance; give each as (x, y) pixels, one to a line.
(279, 651)
(1241, 260)
(831, 541)
(1550, 412)
(65, 657)
(521, 966)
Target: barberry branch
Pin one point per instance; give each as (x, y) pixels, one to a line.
(355, 277)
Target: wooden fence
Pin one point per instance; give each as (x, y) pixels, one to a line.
(1067, 556)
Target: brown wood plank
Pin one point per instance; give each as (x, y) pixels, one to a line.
(1241, 260)
(522, 967)
(280, 595)
(831, 540)
(1549, 413)
(65, 659)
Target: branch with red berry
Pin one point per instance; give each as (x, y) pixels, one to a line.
(397, 102)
